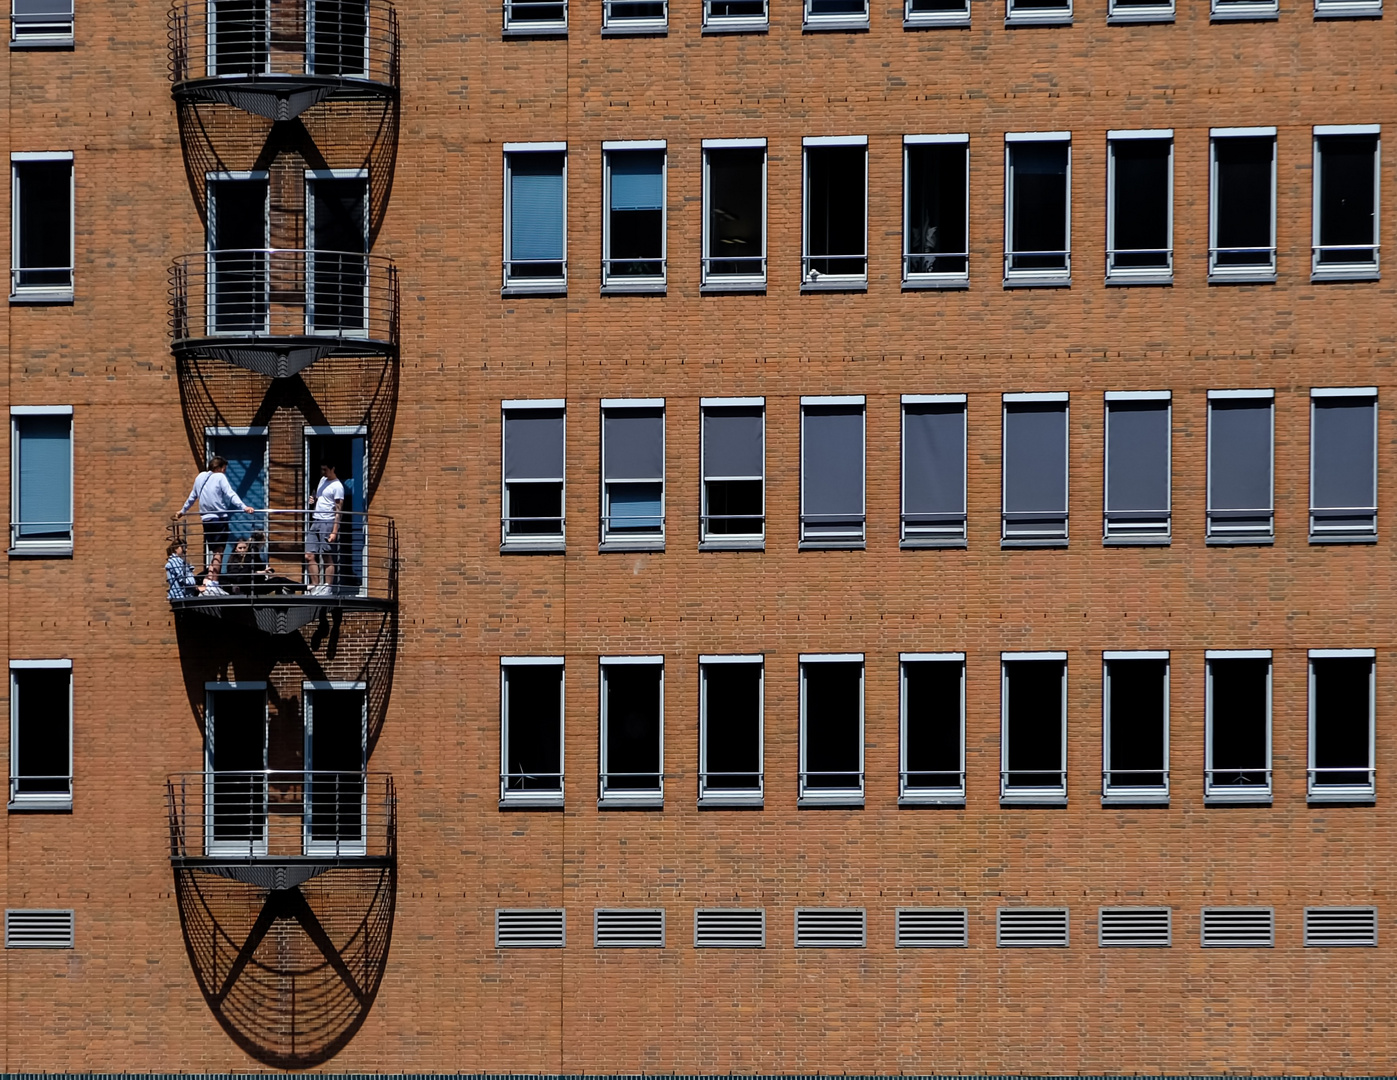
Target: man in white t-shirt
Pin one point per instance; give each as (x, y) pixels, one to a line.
(323, 530)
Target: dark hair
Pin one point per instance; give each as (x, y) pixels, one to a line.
(218, 461)
(175, 545)
(258, 536)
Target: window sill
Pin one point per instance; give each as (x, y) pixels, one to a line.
(737, 26)
(915, 545)
(832, 545)
(817, 23)
(732, 545)
(1046, 799)
(1365, 272)
(643, 800)
(22, 803)
(1216, 798)
(551, 547)
(946, 798)
(1136, 798)
(1246, 13)
(648, 544)
(1144, 15)
(536, 801)
(1038, 281)
(42, 296)
(60, 550)
(1136, 541)
(731, 800)
(733, 285)
(540, 288)
(55, 42)
(1339, 538)
(640, 29)
(1264, 276)
(648, 287)
(935, 281)
(835, 283)
(1119, 278)
(831, 800)
(1348, 11)
(1343, 796)
(1240, 541)
(1039, 18)
(1045, 542)
(930, 20)
(554, 30)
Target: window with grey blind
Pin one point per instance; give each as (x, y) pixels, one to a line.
(1140, 200)
(933, 470)
(1238, 707)
(1341, 725)
(1346, 176)
(535, 17)
(733, 511)
(531, 731)
(1242, 206)
(632, 732)
(730, 730)
(1035, 470)
(936, 210)
(41, 480)
(41, 734)
(41, 23)
(532, 518)
(1137, 467)
(633, 474)
(835, 223)
(932, 729)
(734, 214)
(831, 471)
(831, 729)
(1038, 208)
(1344, 465)
(41, 224)
(1241, 432)
(1135, 728)
(633, 227)
(535, 218)
(1033, 728)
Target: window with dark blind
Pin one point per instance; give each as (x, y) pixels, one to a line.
(734, 214)
(831, 729)
(1242, 208)
(1343, 465)
(1137, 467)
(933, 729)
(1239, 726)
(41, 215)
(730, 740)
(835, 225)
(734, 15)
(535, 216)
(1240, 437)
(41, 480)
(531, 731)
(1140, 205)
(1033, 732)
(635, 16)
(633, 474)
(933, 470)
(533, 475)
(936, 211)
(734, 472)
(1037, 208)
(1035, 470)
(1346, 171)
(41, 734)
(832, 471)
(632, 731)
(1341, 725)
(936, 13)
(633, 228)
(1135, 723)
(524, 17)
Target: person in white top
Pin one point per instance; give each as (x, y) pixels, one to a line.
(323, 530)
(217, 500)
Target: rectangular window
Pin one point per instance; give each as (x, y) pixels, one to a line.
(734, 471)
(41, 734)
(936, 211)
(535, 218)
(933, 729)
(834, 232)
(41, 215)
(1245, 9)
(1135, 728)
(534, 433)
(633, 228)
(1344, 465)
(1037, 12)
(1347, 168)
(634, 16)
(531, 731)
(730, 722)
(1241, 432)
(41, 480)
(1035, 470)
(734, 16)
(918, 13)
(1139, 11)
(933, 470)
(1137, 467)
(632, 732)
(1033, 728)
(836, 14)
(1239, 726)
(538, 17)
(633, 474)
(1038, 208)
(36, 24)
(734, 214)
(1341, 725)
(831, 729)
(1242, 209)
(1348, 9)
(831, 471)
(1140, 207)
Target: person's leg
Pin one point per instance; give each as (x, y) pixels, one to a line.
(216, 539)
(328, 559)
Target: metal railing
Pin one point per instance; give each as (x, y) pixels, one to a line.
(523, 787)
(1241, 260)
(823, 780)
(815, 527)
(933, 526)
(635, 14)
(281, 814)
(1158, 782)
(1129, 524)
(542, 273)
(718, 269)
(1238, 783)
(1137, 261)
(1352, 778)
(1028, 264)
(41, 21)
(942, 264)
(707, 523)
(1343, 521)
(723, 12)
(932, 779)
(1241, 522)
(633, 786)
(1032, 525)
(842, 268)
(1334, 257)
(31, 790)
(40, 279)
(751, 783)
(534, 15)
(1033, 779)
(40, 533)
(638, 272)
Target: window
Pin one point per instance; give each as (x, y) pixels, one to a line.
(734, 470)
(1346, 174)
(337, 265)
(936, 211)
(734, 214)
(918, 13)
(933, 470)
(1032, 928)
(1134, 927)
(41, 734)
(1035, 470)
(734, 16)
(535, 217)
(522, 17)
(531, 731)
(1037, 12)
(41, 480)
(1137, 467)
(836, 14)
(1135, 725)
(933, 729)
(635, 16)
(1343, 465)
(831, 729)
(1242, 210)
(1239, 726)
(834, 235)
(530, 928)
(1241, 427)
(730, 740)
(533, 476)
(1245, 9)
(41, 214)
(633, 474)
(1140, 207)
(831, 472)
(238, 237)
(1033, 740)
(831, 928)
(1348, 9)
(632, 732)
(1140, 11)
(1038, 208)
(41, 23)
(1237, 928)
(729, 928)
(633, 229)
(1341, 725)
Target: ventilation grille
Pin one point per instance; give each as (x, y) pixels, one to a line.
(1137, 927)
(1032, 928)
(729, 928)
(1238, 928)
(1336, 926)
(932, 928)
(629, 928)
(831, 928)
(38, 928)
(530, 928)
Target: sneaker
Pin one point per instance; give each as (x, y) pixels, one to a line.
(212, 588)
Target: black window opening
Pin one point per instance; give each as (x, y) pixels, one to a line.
(633, 475)
(841, 12)
(1343, 466)
(831, 745)
(536, 230)
(735, 216)
(536, 15)
(532, 707)
(235, 754)
(635, 14)
(933, 473)
(1035, 730)
(731, 765)
(734, 455)
(336, 819)
(1345, 206)
(1038, 232)
(1245, 9)
(1052, 11)
(337, 265)
(836, 215)
(1341, 726)
(718, 14)
(1122, 11)
(1240, 500)
(1239, 728)
(1136, 710)
(43, 230)
(933, 727)
(632, 761)
(832, 475)
(1140, 217)
(936, 234)
(635, 220)
(533, 477)
(1137, 469)
(936, 12)
(1035, 472)
(1243, 207)
(238, 292)
(41, 763)
(239, 37)
(339, 37)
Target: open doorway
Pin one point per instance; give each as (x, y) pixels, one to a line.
(346, 449)
(336, 752)
(235, 763)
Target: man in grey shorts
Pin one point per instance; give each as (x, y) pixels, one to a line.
(323, 531)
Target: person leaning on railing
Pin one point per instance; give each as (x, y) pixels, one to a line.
(217, 500)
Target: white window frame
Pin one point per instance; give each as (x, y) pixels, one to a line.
(353, 846)
(918, 20)
(828, 540)
(739, 24)
(1037, 16)
(829, 282)
(651, 283)
(1220, 534)
(1036, 277)
(622, 542)
(732, 796)
(312, 176)
(730, 541)
(1152, 275)
(628, 798)
(1367, 270)
(1355, 793)
(959, 280)
(42, 294)
(49, 33)
(951, 534)
(851, 798)
(834, 22)
(928, 796)
(1123, 795)
(553, 543)
(1044, 795)
(1348, 9)
(1257, 273)
(533, 799)
(1159, 11)
(1006, 539)
(1318, 535)
(709, 282)
(1143, 532)
(618, 26)
(256, 846)
(541, 286)
(531, 27)
(44, 800)
(1244, 10)
(1253, 796)
(18, 545)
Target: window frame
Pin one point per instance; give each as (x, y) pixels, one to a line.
(1122, 536)
(623, 542)
(709, 282)
(1255, 273)
(18, 545)
(42, 294)
(830, 282)
(951, 796)
(1152, 275)
(532, 28)
(628, 798)
(538, 543)
(814, 23)
(40, 800)
(958, 280)
(1217, 534)
(1037, 277)
(753, 798)
(1222, 796)
(650, 284)
(1044, 539)
(755, 541)
(920, 20)
(1244, 10)
(1348, 9)
(1317, 535)
(1125, 795)
(532, 799)
(1370, 270)
(1043, 795)
(833, 798)
(612, 26)
(744, 24)
(815, 542)
(1160, 11)
(1331, 793)
(1038, 17)
(550, 286)
(951, 539)
(53, 33)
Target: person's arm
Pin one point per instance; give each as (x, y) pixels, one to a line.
(231, 495)
(193, 495)
(335, 528)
